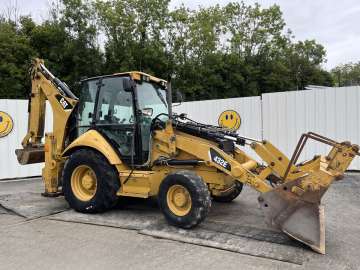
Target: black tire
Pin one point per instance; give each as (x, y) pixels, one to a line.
(107, 182)
(232, 195)
(199, 194)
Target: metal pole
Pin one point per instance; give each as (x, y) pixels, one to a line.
(169, 97)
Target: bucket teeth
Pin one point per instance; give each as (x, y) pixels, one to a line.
(302, 218)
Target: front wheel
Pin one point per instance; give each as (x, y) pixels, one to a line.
(184, 199)
(90, 183)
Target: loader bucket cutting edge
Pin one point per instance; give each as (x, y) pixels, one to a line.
(30, 155)
(319, 246)
(298, 218)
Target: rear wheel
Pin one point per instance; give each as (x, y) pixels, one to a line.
(184, 199)
(90, 183)
(230, 195)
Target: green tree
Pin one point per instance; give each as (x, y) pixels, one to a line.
(346, 74)
(67, 41)
(15, 55)
(215, 52)
(304, 59)
(78, 54)
(134, 32)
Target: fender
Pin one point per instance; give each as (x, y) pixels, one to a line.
(93, 139)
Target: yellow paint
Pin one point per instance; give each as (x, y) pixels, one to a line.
(52, 171)
(83, 183)
(6, 124)
(136, 75)
(179, 200)
(230, 119)
(43, 89)
(95, 140)
(138, 184)
(197, 148)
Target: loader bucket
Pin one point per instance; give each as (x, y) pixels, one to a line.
(294, 205)
(300, 217)
(30, 155)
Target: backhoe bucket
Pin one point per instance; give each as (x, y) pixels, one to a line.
(30, 155)
(300, 217)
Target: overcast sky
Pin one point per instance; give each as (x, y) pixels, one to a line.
(332, 23)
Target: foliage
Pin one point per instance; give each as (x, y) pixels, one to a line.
(347, 74)
(15, 53)
(215, 52)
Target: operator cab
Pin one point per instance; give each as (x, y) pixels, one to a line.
(121, 107)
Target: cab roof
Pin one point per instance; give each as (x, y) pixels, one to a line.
(135, 75)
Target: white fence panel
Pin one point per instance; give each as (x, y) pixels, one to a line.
(278, 117)
(208, 111)
(332, 112)
(9, 167)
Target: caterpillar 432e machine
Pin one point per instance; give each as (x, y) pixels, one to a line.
(120, 138)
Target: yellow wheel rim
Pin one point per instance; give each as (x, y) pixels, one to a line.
(179, 200)
(83, 183)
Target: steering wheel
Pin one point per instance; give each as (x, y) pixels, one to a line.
(131, 119)
(157, 122)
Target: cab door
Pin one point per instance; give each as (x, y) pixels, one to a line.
(113, 115)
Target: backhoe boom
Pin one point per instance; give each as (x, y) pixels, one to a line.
(46, 87)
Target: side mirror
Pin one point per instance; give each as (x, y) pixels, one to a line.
(147, 112)
(79, 83)
(128, 85)
(177, 98)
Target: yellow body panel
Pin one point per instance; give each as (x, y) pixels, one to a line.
(136, 75)
(240, 163)
(95, 140)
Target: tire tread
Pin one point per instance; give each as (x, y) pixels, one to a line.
(106, 197)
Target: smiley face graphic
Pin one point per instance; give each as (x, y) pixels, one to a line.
(229, 119)
(6, 124)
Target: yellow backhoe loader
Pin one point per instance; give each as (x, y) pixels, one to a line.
(120, 138)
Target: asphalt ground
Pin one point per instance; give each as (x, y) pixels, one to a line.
(43, 233)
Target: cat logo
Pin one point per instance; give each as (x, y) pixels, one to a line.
(6, 124)
(63, 102)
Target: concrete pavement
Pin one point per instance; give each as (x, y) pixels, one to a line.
(36, 233)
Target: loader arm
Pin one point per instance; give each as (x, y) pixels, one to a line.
(46, 87)
(214, 157)
(292, 203)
